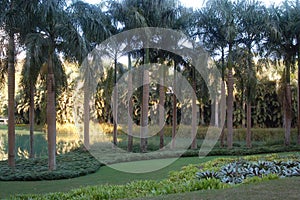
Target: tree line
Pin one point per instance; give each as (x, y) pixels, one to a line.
(240, 36)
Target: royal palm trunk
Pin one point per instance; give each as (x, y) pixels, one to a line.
(11, 101)
(130, 106)
(51, 114)
(115, 104)
(248, 137)
(288, 114)
(145, 105)
(144, 130)
(298, 100)
(174, 114)
(230, 110)
(223, 113)
(161, 107)
(194, 114)
(31, 119)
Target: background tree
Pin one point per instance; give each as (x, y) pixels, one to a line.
(281, 40)
(251, 25)
(14, 22)
(211, 29)
(57, 33)
(95, 27)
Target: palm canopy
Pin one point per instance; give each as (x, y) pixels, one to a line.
(92, 24)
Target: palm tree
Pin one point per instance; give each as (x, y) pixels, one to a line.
(211, 29)
(221, 30)
(56, 32)
(95, 27)
(251, 24)
(167, 14)
(295, 15)
(281, 38)
(8, 24)
(13, 20)
(30, 71)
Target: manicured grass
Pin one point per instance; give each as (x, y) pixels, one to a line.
(105, 175)
(285, 188)
(178, 182)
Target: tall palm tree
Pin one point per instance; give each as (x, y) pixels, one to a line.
(251, 26)
(95, 26)
(35, 57)
(56, 32)
(211, 29)
(281, 39)
(223, 29)
(9, 25)
(13, 21)
(167, 14)
(295, 15)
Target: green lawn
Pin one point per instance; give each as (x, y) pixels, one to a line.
(105, 175)
(285, 188)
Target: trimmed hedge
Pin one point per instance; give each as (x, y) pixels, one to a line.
(258, 134)
(70, 165)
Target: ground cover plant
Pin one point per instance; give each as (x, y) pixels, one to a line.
(72, 164)
(186, 180)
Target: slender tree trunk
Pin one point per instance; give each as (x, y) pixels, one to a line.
(86, 110)
(288, 115)
(194, 115)
(51, 114)
(202, 116)
(115, 131)
(248, 137)
(174, 114)
(161, 108)
(298, 100)
(223, 96)
(145, 105)
(213, 110)
(130, 106)
(230, 102)
(31, 119)
(216, 113)
(244, 119)
(223, 114)
(11, 101)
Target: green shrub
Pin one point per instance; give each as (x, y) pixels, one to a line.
(235, 172)
(70, 165)
(256, 179)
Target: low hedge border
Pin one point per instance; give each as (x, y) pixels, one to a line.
(69, 165)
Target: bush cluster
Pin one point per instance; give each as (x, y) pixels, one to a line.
(238, 172)
(69, 165)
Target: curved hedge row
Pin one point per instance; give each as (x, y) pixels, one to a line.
(69, 165)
